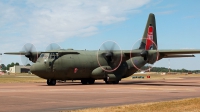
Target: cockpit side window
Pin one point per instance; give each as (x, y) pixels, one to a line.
(53, 56)
(46, 55)
(42, 55)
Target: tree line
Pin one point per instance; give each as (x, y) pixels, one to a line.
(163, 69)
(4, 67)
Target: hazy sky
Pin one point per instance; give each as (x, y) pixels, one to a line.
(86, 24)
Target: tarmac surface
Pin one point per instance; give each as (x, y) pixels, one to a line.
(38, 97)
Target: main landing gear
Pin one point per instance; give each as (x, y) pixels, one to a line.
(87, 81)
(111, 82)
(51, 82)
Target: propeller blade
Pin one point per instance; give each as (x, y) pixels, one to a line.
(28, 56)
(149, 56)
(112, 47)
(52, 46)
(113, 59)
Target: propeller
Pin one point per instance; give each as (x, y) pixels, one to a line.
(29, 54)
(112, 53)
(150, 56)
(52, 46)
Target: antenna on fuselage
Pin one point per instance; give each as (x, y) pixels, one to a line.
(169, 65)
(0, 61)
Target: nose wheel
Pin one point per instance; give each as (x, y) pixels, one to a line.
(87, 81)
(51, 82)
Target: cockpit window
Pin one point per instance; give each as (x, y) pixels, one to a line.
(42, 55)
(53, 56)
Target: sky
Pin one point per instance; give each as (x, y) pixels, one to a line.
(86, 24)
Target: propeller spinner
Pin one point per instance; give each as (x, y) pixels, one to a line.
(112, 53)
(149, 55)
(30, 54)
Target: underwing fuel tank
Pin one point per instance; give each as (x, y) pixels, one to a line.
(99, 73)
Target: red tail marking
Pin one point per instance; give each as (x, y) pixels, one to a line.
(149, 40)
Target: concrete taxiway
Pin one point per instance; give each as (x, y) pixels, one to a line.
(35, 97)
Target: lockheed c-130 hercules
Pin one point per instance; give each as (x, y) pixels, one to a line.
(108, 63)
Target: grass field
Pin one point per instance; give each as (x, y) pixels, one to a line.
(186, 105)
(20, 78)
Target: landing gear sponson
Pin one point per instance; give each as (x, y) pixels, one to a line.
(52, 82)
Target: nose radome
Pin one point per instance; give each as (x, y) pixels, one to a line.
(37, 68)
(32, 69)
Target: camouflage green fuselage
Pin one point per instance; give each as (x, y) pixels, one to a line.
(82, 65)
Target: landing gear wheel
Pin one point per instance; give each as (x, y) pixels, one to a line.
(87, 81)
(115, 82)
(84, 81)
(51, 82)
(91, 81)
(106, 82)
(111, 82)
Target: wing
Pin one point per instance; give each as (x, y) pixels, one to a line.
(178, 53)
(164, 53)
(61, 52)
(21, 53)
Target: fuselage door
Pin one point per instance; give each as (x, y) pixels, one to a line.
(49, 63)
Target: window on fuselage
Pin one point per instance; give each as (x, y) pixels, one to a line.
(53, 56)
(44, 55)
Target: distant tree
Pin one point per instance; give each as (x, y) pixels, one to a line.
(17, 64)
(8, 66)
(3, 67)
(28, 64)
(12, 64)
(184, 70)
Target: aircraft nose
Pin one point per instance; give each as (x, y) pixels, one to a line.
(37, 68)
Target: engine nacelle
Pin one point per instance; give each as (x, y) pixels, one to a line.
(99, 73)
(32, 57)
(153, 56)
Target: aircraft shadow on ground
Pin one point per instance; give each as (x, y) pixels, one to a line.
(160, 83)
(146, 83)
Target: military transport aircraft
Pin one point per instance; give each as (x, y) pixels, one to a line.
(108, 63)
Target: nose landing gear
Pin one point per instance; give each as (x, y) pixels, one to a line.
(51, 82)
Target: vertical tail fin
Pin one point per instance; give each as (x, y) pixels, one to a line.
(149, 34)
